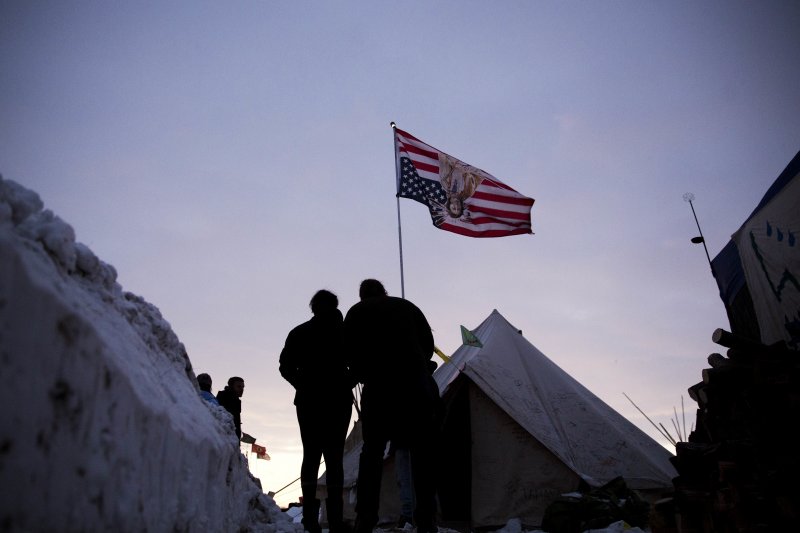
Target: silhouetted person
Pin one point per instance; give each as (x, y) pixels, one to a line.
(204, 382)
(229, 399)
(313, 361)
(390, 342)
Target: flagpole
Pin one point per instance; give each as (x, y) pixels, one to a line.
(689, 197)
(399, 225)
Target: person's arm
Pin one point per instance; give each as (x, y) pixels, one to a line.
(352, 346)
(287, 362)
(425, 335)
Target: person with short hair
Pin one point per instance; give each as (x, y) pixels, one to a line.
(229, 399)
(204, 382)
(314, 362)
(391, 344)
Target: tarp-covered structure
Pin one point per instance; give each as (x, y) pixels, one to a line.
(519, 431)
(758, 270)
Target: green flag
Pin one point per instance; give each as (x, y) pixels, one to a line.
(469, 339)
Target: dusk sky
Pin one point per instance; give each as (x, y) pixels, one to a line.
(231, 158)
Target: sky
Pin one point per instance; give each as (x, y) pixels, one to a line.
(230, 159)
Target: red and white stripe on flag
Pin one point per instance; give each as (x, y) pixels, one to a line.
(461, 198)
(260, 451)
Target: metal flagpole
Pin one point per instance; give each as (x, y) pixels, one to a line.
(689, 197)
(399, 226)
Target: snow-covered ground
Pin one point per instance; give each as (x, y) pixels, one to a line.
(103, 428)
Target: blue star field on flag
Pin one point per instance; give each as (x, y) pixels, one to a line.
(412, 186)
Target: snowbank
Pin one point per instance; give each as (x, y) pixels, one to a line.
(102, 426)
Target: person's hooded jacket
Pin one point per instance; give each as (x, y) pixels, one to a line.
(314, 362)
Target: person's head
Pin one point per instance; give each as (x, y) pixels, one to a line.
(204, 382)
(237, 385)
(323, 301)
(371, 288)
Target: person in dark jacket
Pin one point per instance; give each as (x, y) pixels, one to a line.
(314, 362)
(391, 343)
(229, 399)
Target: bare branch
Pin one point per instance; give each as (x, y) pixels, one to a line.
(665, 435)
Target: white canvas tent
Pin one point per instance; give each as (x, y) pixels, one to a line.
(519, 432)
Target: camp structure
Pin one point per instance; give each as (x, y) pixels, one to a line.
(758, 270)
(739, 469)
(519, 432)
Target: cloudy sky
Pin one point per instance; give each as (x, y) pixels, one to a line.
(231, 158)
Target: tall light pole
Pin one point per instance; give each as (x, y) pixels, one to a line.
(689, 197)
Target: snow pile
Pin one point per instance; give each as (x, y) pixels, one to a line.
(102, 425)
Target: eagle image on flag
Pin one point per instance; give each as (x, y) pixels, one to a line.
(461, 198)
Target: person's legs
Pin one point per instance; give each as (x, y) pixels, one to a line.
(309, 469)
(335, 435)
(402, 467)
(368, 490)
(370, 464)
(423, 471)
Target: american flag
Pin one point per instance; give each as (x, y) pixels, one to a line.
(461, 198)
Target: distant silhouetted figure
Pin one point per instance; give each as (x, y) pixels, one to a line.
(204, 382)
(229, 399)
(390, 342)
(314, 362)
